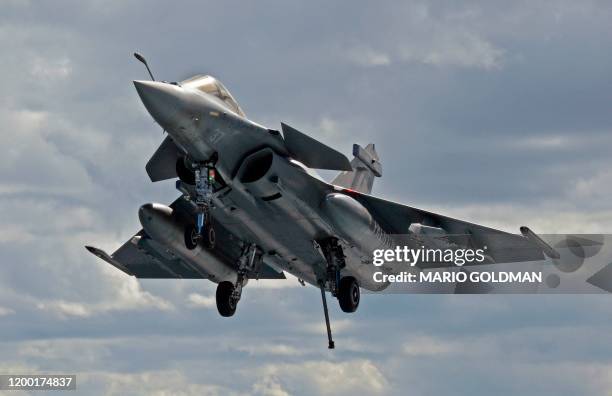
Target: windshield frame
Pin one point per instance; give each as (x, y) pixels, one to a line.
(210, 85)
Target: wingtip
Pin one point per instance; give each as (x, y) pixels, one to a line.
(95, 251)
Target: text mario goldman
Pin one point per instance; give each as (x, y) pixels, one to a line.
(458, 257)
(460, 277)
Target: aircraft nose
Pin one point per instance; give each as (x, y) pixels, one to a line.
(153, 211)
(162, 100)
(145, 213)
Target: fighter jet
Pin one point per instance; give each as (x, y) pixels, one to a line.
(252, 206)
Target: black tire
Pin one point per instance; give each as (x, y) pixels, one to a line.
(210, 237)
(185, 174)
(191, 238)
(348, 294)
(226, 305)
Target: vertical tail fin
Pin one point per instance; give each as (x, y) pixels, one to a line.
(366, 165)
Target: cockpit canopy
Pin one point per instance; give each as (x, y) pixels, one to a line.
(212, 86)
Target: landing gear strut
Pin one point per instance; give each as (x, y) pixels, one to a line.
(330, 341)
(346, 289)
(203, 177)
(228, 293)
(334, 256)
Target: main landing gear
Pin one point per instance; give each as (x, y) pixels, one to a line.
(228, 293)
(346, 289)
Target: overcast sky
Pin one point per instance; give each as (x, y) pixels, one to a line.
(494, 112)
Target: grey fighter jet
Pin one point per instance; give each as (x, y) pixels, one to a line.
(252, 208)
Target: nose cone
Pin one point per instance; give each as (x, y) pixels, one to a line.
(345, 213)
(162, 100)
(153, 212)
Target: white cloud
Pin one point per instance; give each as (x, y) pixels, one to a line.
(53, 351)
(269, 386)
(46, 69)
(365, 56)
(593, 188)
(290, 282)
(14, 233)
(154, 383)
(275, 349)
(543, 218)
(32, 163)
(423, 37)
(128, 296)
(6, 311)
(339, 326)
(426, 346)
(543, 142)
(199, 301)
(329, 378)
(455, 48)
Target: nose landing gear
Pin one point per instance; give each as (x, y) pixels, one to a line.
(207, 236)
(203, 177)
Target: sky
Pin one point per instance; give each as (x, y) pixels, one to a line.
(493, 112)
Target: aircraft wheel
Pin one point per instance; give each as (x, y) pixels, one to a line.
(348, 294)
(226, 305)
(185, 174)
(191, 237)
(210, 237)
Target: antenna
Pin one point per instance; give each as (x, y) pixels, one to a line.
(144, 61)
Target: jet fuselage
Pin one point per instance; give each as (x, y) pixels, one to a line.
(269, 199)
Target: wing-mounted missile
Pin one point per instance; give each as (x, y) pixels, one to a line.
(313, 153)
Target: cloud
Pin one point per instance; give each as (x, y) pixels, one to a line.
(340, 326)
(269, 386)
(328, 378)
(365, 56)
(421, 34)
(6, 311)
(453, 48)
(270, 349)
(32, 163)
(130, 296)
(424, 346)
(199, 301)
(45, 69)
(593, 188)
(156, 383)
(290, 282)
(482, 111)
